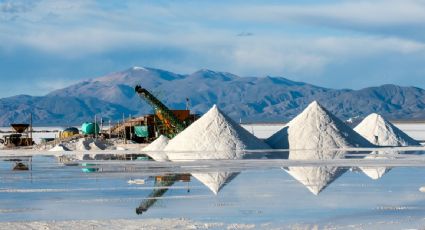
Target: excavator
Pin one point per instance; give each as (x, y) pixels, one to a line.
(173, 121)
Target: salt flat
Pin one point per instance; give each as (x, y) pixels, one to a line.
(259, 195)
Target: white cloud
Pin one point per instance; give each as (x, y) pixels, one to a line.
(366, 13)
(200, 35)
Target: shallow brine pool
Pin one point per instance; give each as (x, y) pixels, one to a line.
(270, 195)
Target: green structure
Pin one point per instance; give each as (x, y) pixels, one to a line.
(90, 128)
(141, 131)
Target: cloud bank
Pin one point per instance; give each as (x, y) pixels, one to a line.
(347, 44)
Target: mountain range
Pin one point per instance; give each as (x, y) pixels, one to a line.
(250, 99)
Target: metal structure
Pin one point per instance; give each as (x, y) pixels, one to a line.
(20, 136)
(169, 120)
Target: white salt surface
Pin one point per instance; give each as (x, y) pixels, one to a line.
(316, 128)
(155, 149)
(415, 130)
(380, 131)
(402, 222)
(124, 224)
(213, 136)
(263, 130)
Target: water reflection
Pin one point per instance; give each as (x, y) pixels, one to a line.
(376, 173)
(162, 184)
(217, 190)
(215, 181)
(316, 178)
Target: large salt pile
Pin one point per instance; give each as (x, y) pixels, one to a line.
(380, 131)
(316, 128)
(155, 149)
(213, 136)
(310, 136)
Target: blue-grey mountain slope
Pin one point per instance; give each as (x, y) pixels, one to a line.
(247, 98)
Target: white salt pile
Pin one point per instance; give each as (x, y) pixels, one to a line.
(316, 128)
(90, 144)
(155, 149)
(215, 181)
(213, 136)
(59, 148)
(380, 131)
(310, 135)
(82, 145)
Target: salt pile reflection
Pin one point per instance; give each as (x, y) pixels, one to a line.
(253, 191)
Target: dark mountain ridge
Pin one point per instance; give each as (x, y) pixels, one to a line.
(251, 99)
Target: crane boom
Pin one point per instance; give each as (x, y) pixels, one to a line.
(166, 116)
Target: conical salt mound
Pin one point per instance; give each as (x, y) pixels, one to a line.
(155, 149)
(316, 128)
(380, 131)
(213, 136)
(215, 181)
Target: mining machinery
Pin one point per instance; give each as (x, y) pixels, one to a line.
(173, 121)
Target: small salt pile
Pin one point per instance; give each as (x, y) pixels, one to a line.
(155, 149)
(213, 136)
(82, 145)
(380, 131)
(59, 148)
(90, 144)
(316, 128)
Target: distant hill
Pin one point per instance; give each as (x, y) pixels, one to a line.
(247, 98)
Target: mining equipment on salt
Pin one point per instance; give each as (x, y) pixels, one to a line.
(21, 137)
(163, 121)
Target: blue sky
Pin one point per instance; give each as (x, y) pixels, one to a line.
(49, 44)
